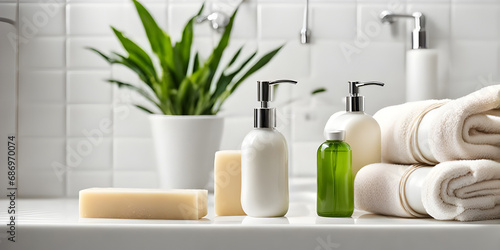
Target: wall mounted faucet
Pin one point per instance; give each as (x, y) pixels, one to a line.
(418, 35)
(305, 33)
(218, 20)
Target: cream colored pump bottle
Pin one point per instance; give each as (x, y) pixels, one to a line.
(421, 63)
(362, 131)
(264, 161)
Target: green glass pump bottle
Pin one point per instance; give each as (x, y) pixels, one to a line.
(335, 179)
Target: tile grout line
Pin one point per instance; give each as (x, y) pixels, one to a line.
(66, 31)
(17, 111)
(448, 50)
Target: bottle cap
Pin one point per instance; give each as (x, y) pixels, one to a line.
(335, 135)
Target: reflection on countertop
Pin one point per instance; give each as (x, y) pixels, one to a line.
(302, 211)
(47, 224)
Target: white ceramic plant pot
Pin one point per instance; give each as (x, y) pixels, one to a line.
(185, 147)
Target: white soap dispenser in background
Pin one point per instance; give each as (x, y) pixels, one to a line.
(362, 131)
(264, 160)
(421, 63)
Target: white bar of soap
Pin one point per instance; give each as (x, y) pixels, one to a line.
(130, 203)
(227, 190)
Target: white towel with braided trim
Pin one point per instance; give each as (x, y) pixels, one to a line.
(436, 131)
(454, 190)
(463, 190)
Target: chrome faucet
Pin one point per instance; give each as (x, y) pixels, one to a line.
(218, 20)
(305, 32)
(418, 34)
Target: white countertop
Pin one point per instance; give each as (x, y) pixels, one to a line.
(54, 224)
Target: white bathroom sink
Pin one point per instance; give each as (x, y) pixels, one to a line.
(48, 224)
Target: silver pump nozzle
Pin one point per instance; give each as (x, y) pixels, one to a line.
(265, 117)
(355, 102)
(418, 35)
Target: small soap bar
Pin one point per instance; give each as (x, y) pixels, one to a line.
(130, 203)
(227, 189)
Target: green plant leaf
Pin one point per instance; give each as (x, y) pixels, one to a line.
(144, 109)
(196, 62)
(107, 58)
(214, 59)
(258, 65)
(184, 84)
(225, 80)
(139, 90)
(221, 97)
(157, 38)
(203, 106)
(183, 47)
(235, 57)
(199, 79)
(317, 91)
(136, 54)
(140, 71)
(161, 44)
(120, 59)
(185, 92)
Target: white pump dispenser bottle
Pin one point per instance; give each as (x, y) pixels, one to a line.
(421, 62)
(264, 161)
(362, 131)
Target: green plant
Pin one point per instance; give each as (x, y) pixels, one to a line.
(182, 84)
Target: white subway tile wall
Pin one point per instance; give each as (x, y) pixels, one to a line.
(78, 179)
(77, 131)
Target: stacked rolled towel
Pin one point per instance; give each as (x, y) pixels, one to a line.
(435, 131)
(455, 190)
(460, 137)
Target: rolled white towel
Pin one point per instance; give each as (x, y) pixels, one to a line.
(434, 131)
(381, 188)
(463, 190)
(455, 190)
